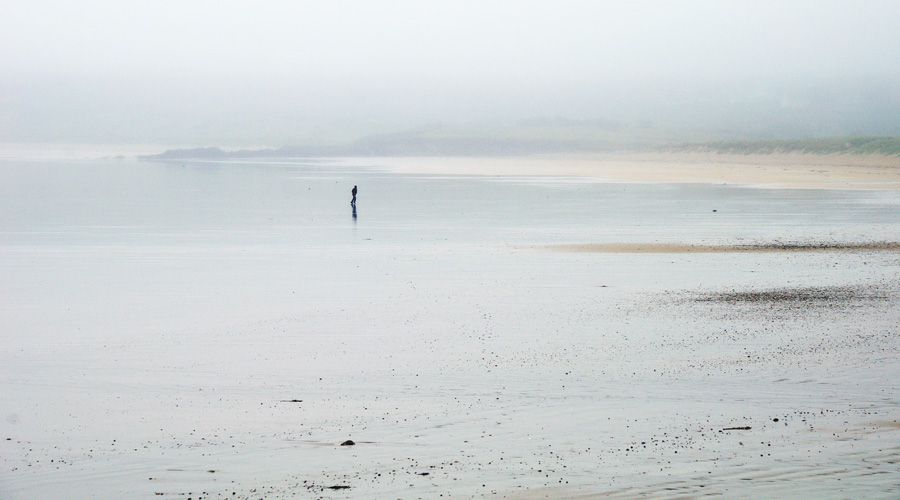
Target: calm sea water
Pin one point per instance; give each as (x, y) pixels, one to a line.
(156, 317)
(298, 202)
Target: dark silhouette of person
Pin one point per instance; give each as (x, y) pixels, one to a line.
(353, 192)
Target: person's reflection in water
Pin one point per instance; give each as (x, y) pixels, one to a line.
(354, 212)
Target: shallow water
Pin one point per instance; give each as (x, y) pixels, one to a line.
(158, 318)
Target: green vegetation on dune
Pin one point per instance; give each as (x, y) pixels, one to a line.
(834, 145)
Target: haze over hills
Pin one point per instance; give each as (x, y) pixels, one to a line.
(461, 77)
(435, 121)
(231, 115)
(526, 137)
(822, 120)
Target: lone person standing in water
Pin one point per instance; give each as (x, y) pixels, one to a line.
(353, 192)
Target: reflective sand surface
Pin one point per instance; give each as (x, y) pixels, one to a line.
(219, 329)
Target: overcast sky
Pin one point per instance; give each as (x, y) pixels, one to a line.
(295, 68)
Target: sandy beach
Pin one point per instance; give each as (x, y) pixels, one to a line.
(798, 171)
(450, 250)
(658, 327)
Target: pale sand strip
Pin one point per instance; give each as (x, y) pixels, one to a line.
(701, 248)
(774, 170)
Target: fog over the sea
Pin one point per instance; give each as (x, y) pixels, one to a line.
(241, 74)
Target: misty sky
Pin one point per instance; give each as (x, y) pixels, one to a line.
(263, 72)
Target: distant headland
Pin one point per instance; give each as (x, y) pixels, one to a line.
(420, 144)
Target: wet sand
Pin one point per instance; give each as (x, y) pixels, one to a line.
(885, 246)
(219, 330)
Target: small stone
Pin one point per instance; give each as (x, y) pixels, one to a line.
(348, 442)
